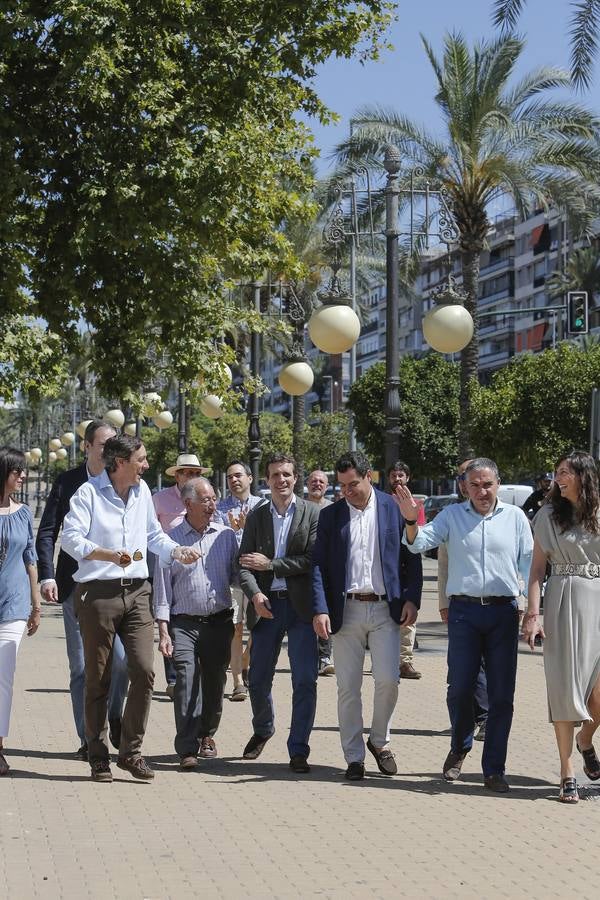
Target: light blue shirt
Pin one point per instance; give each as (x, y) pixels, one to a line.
(486, 554)
(281, 529)
(98, 517)
(202, 588)
(232, 504)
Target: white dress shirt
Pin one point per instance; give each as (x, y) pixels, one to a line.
(281, 530)
(98, 518)
(364, 574)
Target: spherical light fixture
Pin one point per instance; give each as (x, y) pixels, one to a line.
(130, 429)
(296, 378)
(28, 457)
(448, 328)
(82, 446)
(52, 456)
(163, 419)
(152, 403)
(61, 453)
(211, 406)
(115, 418)
(82, 427)
(36, 453)
(334, 328)
(67, 438)
(54, 443)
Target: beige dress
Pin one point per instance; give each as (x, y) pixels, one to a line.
(571, 620)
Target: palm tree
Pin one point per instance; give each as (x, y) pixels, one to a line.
(500, 140)
(581, 274)
(585, 33)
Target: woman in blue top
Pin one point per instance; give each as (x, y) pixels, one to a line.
(20, 602)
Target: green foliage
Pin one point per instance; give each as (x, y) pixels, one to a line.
(322, 443)
(228, 438)
(428, 414)
(537, 407)
(148, 151)
(31, 360)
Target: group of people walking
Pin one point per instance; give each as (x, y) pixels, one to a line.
(335, 578)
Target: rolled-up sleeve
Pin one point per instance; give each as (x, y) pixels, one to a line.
(77, 525)
(431, 535)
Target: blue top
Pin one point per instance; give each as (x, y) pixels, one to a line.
(202, 588)
(16, 552)
(486, 554)
(281, 529)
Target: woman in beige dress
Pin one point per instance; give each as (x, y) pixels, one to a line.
(567, 535)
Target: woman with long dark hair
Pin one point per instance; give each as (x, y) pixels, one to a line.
(20, 602)
(567, 535)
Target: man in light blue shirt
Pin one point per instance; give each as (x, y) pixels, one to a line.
(108, 530)
(196, 601)
(489, 554)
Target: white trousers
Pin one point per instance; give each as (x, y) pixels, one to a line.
(10, 638)
(366, 621)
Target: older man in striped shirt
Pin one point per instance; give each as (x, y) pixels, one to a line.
(196, 600)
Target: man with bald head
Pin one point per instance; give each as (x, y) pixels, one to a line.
(195, 601)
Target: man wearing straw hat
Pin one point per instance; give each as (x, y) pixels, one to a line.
(170, 512)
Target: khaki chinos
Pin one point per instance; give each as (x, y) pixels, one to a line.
(104, 609)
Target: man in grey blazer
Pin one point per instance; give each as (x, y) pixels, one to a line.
(275, 560)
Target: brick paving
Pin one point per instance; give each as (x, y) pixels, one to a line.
(254, 829)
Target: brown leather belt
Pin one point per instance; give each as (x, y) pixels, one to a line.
(367, 598)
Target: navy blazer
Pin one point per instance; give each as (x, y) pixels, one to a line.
(402, 572)
(258, 537)
(57, 506)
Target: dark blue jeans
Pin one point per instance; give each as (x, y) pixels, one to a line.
(267, 637)
(491, 632)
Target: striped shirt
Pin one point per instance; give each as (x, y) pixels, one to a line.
(231, 505)
(202, 588)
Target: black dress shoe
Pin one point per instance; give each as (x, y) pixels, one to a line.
(453, 765)
(355, 771)
(82, 753)
(384, 759)
(496, 783)
(299, 764)
(114, 732)
(255, 746)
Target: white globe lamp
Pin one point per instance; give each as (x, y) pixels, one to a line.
(130, 429)
(67, 438)
(334, 328)
(54, 443)
(61, 453)
(296, 378)
(82, 427)
(163, 420)
(211, 406)
(36, 454)
(448, 328)
(52, 456)
(115, 418)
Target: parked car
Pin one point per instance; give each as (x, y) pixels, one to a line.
(515, 494)
(433, 505)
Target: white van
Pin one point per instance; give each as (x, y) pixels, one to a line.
(515, 494)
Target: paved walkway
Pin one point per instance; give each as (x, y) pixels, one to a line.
(253, 829)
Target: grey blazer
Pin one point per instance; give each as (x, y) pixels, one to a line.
(294, 566)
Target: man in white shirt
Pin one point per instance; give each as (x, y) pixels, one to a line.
(362, 593)
(110, 526)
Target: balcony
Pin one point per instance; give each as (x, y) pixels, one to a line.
(507, 262)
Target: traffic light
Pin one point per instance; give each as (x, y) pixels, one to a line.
(577, 307)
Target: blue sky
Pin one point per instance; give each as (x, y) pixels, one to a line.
(403, 79)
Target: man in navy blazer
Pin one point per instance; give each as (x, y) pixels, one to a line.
(59, 586)
(364, 587)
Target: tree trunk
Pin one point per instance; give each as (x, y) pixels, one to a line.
(469, 360)
(297, 425)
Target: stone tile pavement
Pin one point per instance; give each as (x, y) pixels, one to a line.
(253, 829)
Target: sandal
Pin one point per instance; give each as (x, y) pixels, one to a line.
(4, 766)
(568, 791)
(591, 763)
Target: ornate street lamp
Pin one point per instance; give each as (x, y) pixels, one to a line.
(448, 327)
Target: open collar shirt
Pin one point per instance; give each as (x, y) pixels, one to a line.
(364, 574)
(487, 555)
(98, 517)
(231, 504)
(170, 508)
(281, 530)
(202, 588)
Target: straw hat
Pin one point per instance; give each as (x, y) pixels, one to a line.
(186, 461)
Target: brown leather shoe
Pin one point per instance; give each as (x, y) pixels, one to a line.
(101, 770)
(385, 760)
(208, 748)
(453, 765)
(136, 766)
(407, 670)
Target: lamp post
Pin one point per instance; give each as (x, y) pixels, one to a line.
(344, 222)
